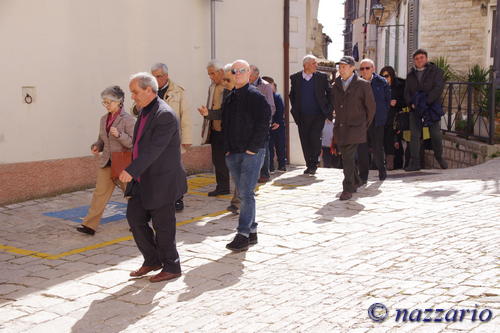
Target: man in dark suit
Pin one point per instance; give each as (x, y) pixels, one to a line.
(158, 180)
(310, 100)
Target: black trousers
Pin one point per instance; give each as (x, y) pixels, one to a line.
(310, 130)
(416, 137)
(376, 143)
(277, 144)
(157, 247)
(219, 161)
(351, 174)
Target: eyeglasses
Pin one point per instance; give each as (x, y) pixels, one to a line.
(226, 80)
(386, 75)
(107, 102)
(364, 68)
(235, 71)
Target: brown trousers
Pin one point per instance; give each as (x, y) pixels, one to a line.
(103, 190)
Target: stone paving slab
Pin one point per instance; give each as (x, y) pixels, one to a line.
(416, 241)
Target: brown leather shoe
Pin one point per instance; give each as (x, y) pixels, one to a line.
(345, 195)
(164, 276)
(144, 270)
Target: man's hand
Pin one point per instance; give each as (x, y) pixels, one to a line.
(94, 150)
(250, 152)
(186, 145)
(275, 126)
(396, 145)
(114, 132)
(203, 110)
(125, 177)
(393, 102)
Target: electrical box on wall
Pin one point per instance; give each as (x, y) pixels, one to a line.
(28, 94)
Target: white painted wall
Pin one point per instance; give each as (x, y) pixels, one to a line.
(71, 50)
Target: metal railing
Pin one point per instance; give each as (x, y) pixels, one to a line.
(470, 110)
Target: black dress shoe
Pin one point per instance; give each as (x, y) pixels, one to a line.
(307, 171)
(218, 192)
(382, 174)
(252, 238)
(312, 171)
(412, 168)
(282, 169)
(239, 243)
(442, 163)
(233, 209)
(86, 230)
(179, 205)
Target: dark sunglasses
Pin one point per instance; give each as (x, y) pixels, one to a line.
(364, 68)
(386, 75)
(239, 71)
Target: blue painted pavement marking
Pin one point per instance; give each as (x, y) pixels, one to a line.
(114, 211)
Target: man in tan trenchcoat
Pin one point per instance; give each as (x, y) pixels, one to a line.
(173, 94)
(354, 105)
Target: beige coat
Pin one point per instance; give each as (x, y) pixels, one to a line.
(175, 98)
(108, 144)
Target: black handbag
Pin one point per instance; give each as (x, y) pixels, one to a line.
(403, 121)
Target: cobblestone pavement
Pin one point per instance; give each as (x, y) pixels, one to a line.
(416, 241)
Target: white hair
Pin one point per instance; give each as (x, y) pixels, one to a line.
(215, 64)
(255, 69)
(158, 66)
(368, 61)
(144, 80)
(308, 58)
(227, 67)
(241, 61)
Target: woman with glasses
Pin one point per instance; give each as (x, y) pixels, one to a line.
(393, 134)
(115, 135)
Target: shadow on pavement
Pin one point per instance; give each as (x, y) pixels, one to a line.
(120, 310)
(213, 276)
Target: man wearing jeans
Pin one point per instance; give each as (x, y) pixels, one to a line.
(245, 124)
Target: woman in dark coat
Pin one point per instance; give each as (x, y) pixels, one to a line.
(392, 141)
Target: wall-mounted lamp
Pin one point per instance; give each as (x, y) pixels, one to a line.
(377, 12)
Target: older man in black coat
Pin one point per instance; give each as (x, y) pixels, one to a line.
(156, 180)
(310, 100)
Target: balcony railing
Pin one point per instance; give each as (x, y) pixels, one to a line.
(470, 110)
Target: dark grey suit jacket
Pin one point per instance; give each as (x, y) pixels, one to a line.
(322, 91)
(159, 166)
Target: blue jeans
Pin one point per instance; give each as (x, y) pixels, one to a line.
(245, 169)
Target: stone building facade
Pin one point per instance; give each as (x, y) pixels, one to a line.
(460, 30)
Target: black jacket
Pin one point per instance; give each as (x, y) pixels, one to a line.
(245, 120)
(432, 84)
(162, 177)
(322, 91)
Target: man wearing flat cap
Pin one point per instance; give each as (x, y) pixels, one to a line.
(354, 107)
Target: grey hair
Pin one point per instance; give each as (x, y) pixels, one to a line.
(145, 79)
(227, 67)
(215, 64)
(255, 69)
(114, 93)
(308, 58)
(368, 61)
(241, 61)
(158, 66)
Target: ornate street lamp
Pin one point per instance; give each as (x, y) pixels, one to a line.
(377, 12)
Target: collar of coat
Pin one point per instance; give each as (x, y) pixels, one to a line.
(355, 79)
(172, 90)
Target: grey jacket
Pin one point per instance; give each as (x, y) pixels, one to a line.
(108, 143)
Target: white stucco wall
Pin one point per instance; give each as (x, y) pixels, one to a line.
(70, 50)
